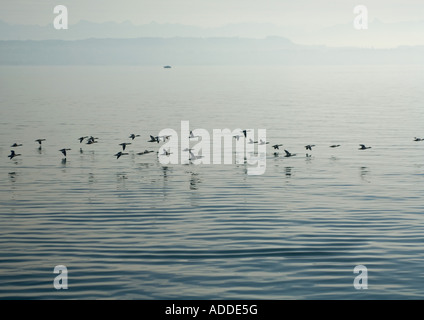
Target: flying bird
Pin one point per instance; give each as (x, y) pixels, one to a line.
(263, 142)
(277, 146)
(166, 152)
(193, 156)
(192, 136)
(91, 140)
(16, 145)
(164, 138)
(153, 139)
(132, 136)
(13, 154)
(237, 137)
(251, 141)
(124, 145)
(309, 146)
(81, 139)
(40, 140)
(64, 151)
(120, 154)
(418, 139)
(145, 152)
(288, 154)
(245, 132)
(335, 146)
(363, 147)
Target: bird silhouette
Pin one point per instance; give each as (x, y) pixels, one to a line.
(237, 136)
(261, 142)
(166, 152)
(288, 154)
(124, 145)
(16, 145)
(145, 152)
(309, 146)
(132, 136)
(245, 132)
(40, 140)
(363, 147)
(81, 139)
(153, 139)
(64, 151)
(119, 154)
(91, 140)
(13, 154)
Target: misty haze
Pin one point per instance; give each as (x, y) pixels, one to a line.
(86, 114)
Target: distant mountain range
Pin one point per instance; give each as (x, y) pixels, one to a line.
(86, 29)
(378, 35)
(196, 51)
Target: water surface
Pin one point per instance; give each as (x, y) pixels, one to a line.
(132, 228)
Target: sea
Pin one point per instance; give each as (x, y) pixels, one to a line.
(137, 228)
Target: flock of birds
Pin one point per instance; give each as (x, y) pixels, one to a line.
(92, 140)
(288, 153)
(157, 139)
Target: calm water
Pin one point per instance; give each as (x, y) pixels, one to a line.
(131, 228)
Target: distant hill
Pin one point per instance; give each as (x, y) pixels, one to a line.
(196, 51)
(86, 29)
(378, 35)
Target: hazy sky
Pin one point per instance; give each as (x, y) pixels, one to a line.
(210, 13)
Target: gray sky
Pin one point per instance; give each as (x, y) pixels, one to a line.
(209, 13)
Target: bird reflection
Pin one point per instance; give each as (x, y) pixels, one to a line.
(363, 173)
(288, 171)
(91, 178)
(165, 172)
(121, 179)
(194, 180)
(12, 177)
